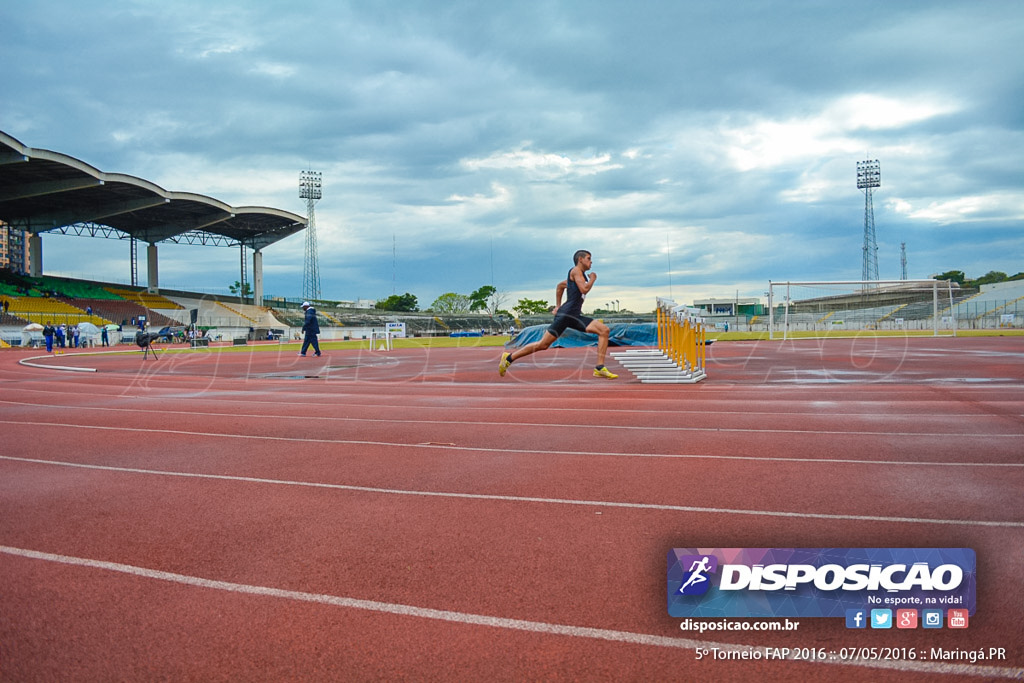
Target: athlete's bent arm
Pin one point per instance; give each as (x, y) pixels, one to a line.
(559, 292)
(582, 282)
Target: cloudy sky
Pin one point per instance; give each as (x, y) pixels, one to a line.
(696, 148)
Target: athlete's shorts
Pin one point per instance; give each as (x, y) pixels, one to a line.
(563, 322)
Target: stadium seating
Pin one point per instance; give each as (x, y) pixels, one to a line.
(1005, 297)
(143, 298)
(39, 309)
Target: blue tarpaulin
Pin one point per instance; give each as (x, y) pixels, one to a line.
(622, 334)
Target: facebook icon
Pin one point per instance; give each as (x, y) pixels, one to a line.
(856, 618)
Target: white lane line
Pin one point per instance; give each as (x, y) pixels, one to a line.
(556, 425)
(418, 386)
(66, 368)
(540, 627)
(521, 499)
(670, 407)
(520, 451)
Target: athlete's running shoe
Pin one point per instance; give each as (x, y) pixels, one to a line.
(505, 362)
(605, 372)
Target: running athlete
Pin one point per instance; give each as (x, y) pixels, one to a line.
(575, 287)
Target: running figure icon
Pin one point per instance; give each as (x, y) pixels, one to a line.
(697, 573)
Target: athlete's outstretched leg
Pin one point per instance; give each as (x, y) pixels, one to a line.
(506, 358)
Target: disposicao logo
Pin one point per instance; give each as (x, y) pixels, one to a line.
(818, 582)
(696, 580)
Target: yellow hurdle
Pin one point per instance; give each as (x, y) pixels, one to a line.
(680, 338)
(679, 358)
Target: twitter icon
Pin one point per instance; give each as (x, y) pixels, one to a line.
(881, 618)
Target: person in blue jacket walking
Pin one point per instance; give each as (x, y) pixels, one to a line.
(310, 328)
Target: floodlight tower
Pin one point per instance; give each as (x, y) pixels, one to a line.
(903, 260)
(310, 183)
(869, 176)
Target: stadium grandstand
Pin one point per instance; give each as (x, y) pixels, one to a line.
(48, 192)
(37, 300)
(895, 305)
(994, 305)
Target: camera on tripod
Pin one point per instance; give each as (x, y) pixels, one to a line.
(144, 340)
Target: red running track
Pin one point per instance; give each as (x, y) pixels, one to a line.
(251, 515)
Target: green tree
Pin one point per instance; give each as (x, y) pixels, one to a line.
(478, 299)
(488, 299)
(956, 276)
(398, 302)
(531, 307)
(451, 303)
(240, 289)
(990, 277)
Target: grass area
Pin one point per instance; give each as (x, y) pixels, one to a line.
(331, 345)
(417, 343)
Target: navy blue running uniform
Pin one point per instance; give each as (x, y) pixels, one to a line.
(570, 314)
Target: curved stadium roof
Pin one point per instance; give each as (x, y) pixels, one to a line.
(44, 191)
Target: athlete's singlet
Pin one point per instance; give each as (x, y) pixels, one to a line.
(573, 298)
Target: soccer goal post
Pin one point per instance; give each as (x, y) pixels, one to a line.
(833, 308)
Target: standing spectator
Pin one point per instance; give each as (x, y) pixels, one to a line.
(59, 333)
(78, 335)
(104, 337)
(311, 328)
(48, 333)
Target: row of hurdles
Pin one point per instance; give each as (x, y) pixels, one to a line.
(680, 357)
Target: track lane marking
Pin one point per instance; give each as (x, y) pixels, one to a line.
(467, 618)
(524, 451)
(220, 398)
(533, 425)
(522, 499)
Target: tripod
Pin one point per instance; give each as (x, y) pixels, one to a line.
(144, 341)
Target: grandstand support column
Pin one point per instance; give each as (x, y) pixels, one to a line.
(35, 255)
(243, 282)
(135, 261)
(152, 279)
(257, 277)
